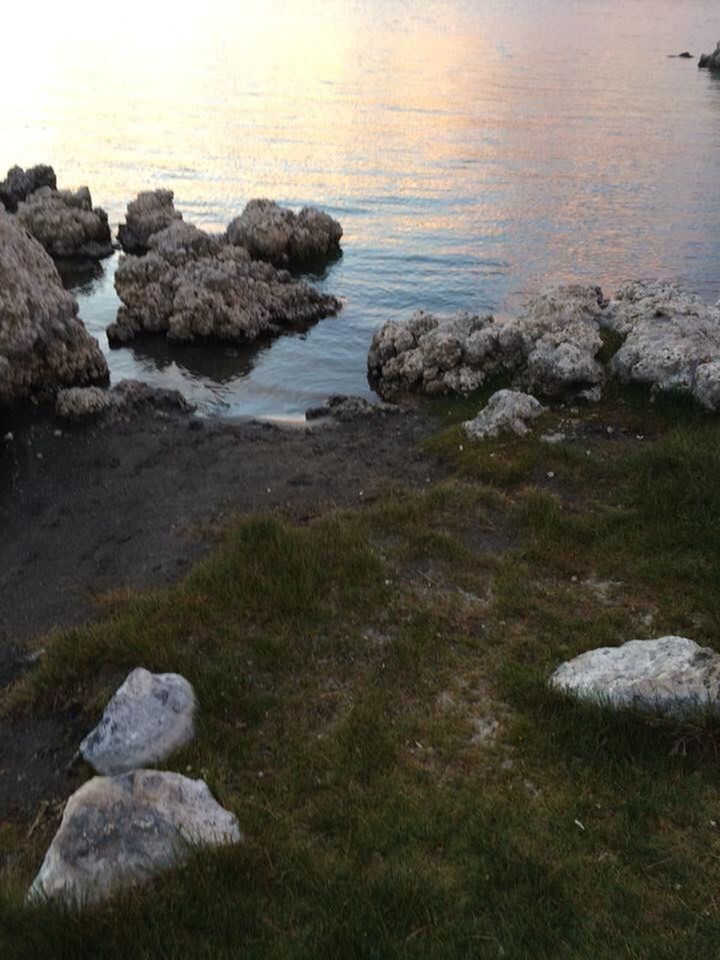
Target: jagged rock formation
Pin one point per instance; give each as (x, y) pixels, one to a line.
(507, 411)
(710, 61)
(150, 212)
(191, 285)
(66, 223)
(270, 232)
(125, 399)
(20, 183)
(43, 343)
(344, 408)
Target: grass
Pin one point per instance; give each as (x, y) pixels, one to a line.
(348, 671)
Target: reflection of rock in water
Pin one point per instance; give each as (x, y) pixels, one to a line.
(79, 276)
(209, 362)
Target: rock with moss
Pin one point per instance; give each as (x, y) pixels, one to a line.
(121, 831)
(274, 233)
(44, 346)
(710, 61)
(66, 223)
(19, 184)
(150, 212)
(507, 411)
(670, 675)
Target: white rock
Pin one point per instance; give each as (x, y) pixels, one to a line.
(670, 675)
(507, 411)
(148, 718)
(121, 831)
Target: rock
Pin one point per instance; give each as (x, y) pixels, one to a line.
(685, 55)
(193, 286)
(710, 61)
(20, 183)
(507, 411)
(345, 408)
(121, 831)
(126, 398)
(270, 232)
(81, 403)
(672, 340)
(66, 223)
(43, 343)
(670, 675)
(150, 212)
(147, 720)
(553, 438)
(551, 348)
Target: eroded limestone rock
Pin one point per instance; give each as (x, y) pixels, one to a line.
(150, 212)
(343, 408)
(146, 721)
(21, 183)
(121, 831)
(43, 343)
(270, 232)
(507, 411)
(125, 399)
(66, 223)
(81, 403)
(670, 675)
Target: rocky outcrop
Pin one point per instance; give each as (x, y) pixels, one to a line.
(20, 183)
(344, 408)
(672, 340)
(150, 212)
(507, 411)
(81, 403)
(124, 400)
(270, 232)
(710, 61)
(121, 831)
(66, 223)
(552, 347)
(148, 719)
(670, 675)
(192, 286)
(43, 343)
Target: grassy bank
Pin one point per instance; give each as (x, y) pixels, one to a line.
(374, 710)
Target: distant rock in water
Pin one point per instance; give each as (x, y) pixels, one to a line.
(43, 344)
(150, 212)
(685, 55)
(66, 223)
(710, 61)
(20, 183)
(193, 286)
(280, 236)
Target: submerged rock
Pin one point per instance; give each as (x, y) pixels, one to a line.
(21, 183)
(121, 831)
(147, 720)
(507, 411)
(340, 407)
(124, 399)
(710, 61)
(670, 675)
(66, 223)
(191, 286)
(150, 212)
(270, 232)
(43, 343)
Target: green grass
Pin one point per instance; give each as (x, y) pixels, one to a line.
(344, 668)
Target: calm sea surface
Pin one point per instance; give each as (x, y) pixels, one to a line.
(474, 151)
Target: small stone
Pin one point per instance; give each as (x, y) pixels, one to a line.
(507, 411)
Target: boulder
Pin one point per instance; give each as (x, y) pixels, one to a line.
(192, 286)
(125, 399)
(66, 223)
(43, 343)
(81, 403)
(150, 212)
(270, 232)
(672, 340)
(710, 61)
(121, 831)
(340, 407)
(507, 411)
(670, 675)
(148, 719)
(20, 183)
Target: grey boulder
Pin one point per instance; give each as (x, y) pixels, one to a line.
(148, 719)
(19, 183)
(121, 831)
(150, 212)
(507, 411)
(670, 676)
(122, 401)
(274, 233)
(344, 408)
(66, 223)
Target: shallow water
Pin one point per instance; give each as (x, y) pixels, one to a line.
(473, 151)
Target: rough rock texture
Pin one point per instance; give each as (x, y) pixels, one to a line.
(711, 60)
(147, 720)
(43, 343)
(20, 183)
(507, 411)
(66, 223)
(672, 340)
(340, 407)
(671, 675)
(270, 232)
(150, 212)
(124, 399)
(121, 831)
(551, 348)
(192, 285)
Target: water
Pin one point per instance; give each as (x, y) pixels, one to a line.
(473, 151)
